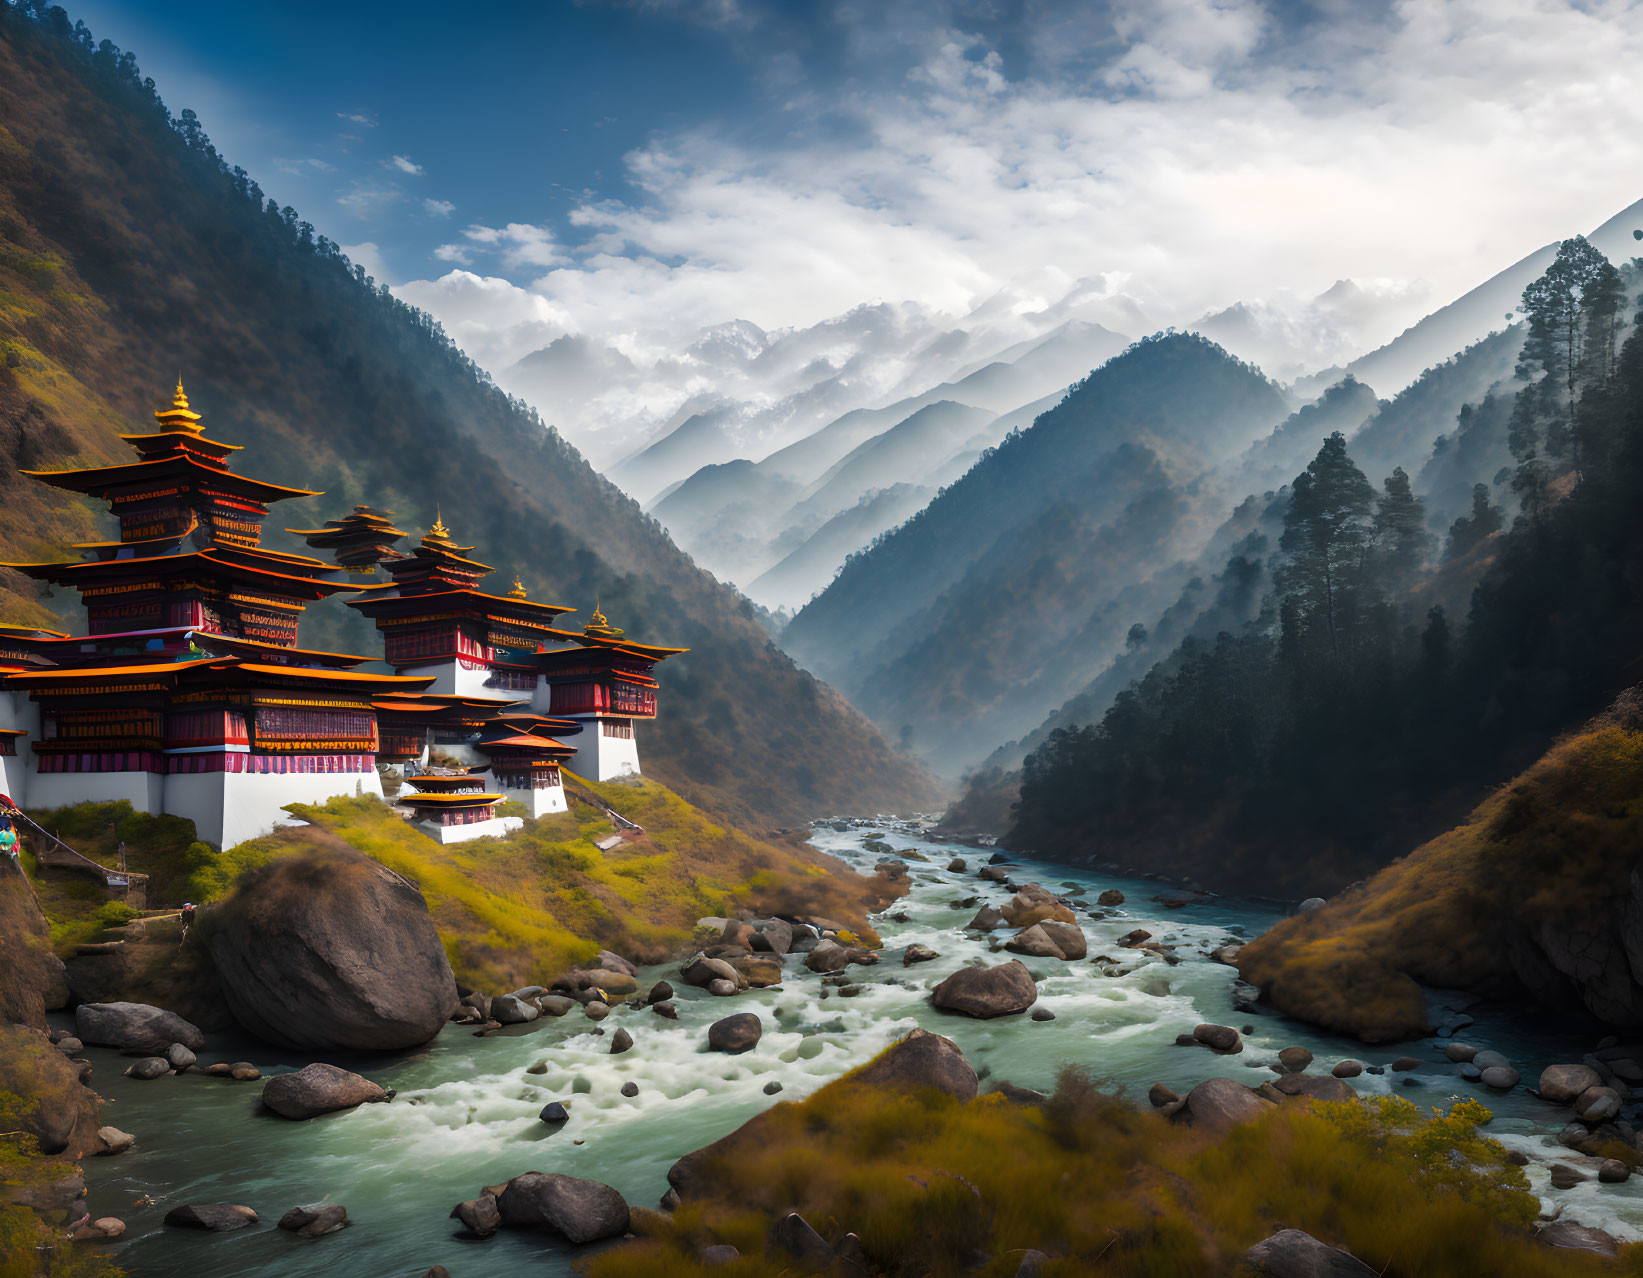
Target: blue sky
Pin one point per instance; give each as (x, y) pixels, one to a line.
(628, 173)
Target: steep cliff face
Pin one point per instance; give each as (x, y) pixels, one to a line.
(1539, 894)
(130, 251)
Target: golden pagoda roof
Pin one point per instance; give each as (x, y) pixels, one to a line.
(179, 416)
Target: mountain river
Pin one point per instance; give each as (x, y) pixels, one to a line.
(466, 1111)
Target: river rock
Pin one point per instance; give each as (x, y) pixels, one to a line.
(793, 1236)
(660, 992)
(329, 950)
(738, 933)
(149, 1067)
(1219, 1105)
(666, 1010)
(1596, 1104)
(723, 989)
(1324, 1088)
(620, 1042)
(1562, 1084)
(1312, 903)
(1347, 1069)
(918, 954)
(1565, 1176)
(135, 1027)
(580, 1211)
(986, 992)
(114, 1140)
(956, 865)
(701, 971)
(758, 972)
(244, 1072)
(720, 1254)
(555, 1004)
(1460, 1053)
(1160, 1096)
(1295, 1059)
(616, 963)
(315, 1222)
(1404, 1064)
(1489, 1059)
(479, 1216)
(1068, 938)
(1033, 904)
(608, 982)
(993, 873)
(921, 1059)
(1292, 1253)
(829, 956)
(1567, 1234)
(1112, 896)
(630, 1089)
(554, 1112)
(318, 1089)
(986, 919)
(1503, 1078)
(1226, 954)
(1034, 942)
(1220, 1038)
(512, 1010)
(735, 1034)
(216, 1218)
(179, 1057)
(1613, 1172)
(774, 936)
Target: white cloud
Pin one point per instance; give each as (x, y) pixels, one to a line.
(365, 200)
(438, 208)
(1212, 155)
(358, 117)
(405, 165)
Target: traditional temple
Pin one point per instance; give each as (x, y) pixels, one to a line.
(605, 684)
(188, 694)
(436, 623)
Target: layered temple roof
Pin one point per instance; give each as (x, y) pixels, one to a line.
(358, 542)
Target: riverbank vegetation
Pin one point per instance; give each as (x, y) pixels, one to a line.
(1357, 716)
(932, 1185)
(1481, 906)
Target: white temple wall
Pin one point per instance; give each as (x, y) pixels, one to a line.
(19, 711)
(539, 802)
(145, 791)
(492, 828)
(453, 679)
(228, 808)
(602, 758)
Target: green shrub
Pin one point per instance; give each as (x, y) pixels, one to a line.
(115, 914)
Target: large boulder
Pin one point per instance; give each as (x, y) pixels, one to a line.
(1561, 1084)
(327, 951)
(580, 1211)
(775, 936)
(1219, 1105)
(921, 1059)
(32, 978)
(758, 972)
(739, 1033)
(53, 1104)
(1324, 1087)
(1293, 1253)
(134, 1027)
(1567, 1234)
(986, 992)
(830, 956)
(318, 1089)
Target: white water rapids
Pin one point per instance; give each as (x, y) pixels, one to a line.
(466, 1112)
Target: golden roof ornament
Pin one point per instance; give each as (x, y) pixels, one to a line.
(179, 416)
(518, 591)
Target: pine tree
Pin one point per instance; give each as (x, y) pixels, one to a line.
(1326, 537)
(1402, 543)
(1483, 520)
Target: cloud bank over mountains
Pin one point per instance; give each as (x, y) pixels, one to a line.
(1301, 181)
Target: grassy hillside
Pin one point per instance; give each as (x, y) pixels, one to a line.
(512, 911)
(130, 251)
(935, 1186)
(1541, 870)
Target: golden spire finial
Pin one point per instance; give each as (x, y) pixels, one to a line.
(439, 529)
(518, 591)
(180, 399)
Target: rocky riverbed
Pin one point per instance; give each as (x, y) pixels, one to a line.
(467, 1111)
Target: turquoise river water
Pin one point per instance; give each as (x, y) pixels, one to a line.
(466, 1111)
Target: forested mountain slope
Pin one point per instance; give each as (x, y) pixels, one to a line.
(129, 251)
(1369, 704)
(967, 620)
